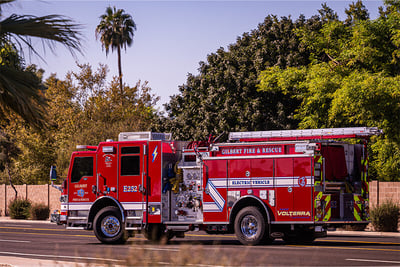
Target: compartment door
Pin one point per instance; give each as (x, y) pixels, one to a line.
(302, 189)
(132, 176)
(215, 191)
(283, 183)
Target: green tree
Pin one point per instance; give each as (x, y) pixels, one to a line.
(37, 153)
(36, 146)
(8, 153)
(20, 88)
(356, 12)
(223, 97)
(87, 110)
(116, 29)
(352, 80)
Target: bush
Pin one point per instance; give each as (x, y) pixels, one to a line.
(19, 208)
(385, 217)
(40, 212)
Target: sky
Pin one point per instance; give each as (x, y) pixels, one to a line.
(172, 37)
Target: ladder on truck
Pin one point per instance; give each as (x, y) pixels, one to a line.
(307, 134)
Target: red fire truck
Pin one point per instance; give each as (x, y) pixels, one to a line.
(290, 184)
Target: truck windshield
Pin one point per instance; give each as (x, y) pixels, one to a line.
(83, 166)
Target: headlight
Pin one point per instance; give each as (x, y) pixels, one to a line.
(63, 199)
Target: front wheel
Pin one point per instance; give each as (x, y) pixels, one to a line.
(250, 226)
(108, 226)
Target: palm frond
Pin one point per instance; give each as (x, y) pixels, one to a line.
(116, 29)
(51, 29)
(19, 93)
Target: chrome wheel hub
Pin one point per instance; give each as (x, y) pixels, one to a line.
(110, 226)
(249, 226)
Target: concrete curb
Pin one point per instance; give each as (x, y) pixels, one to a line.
(8, 219)
(364, 233)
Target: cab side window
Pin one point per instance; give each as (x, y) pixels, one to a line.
(130, 161)
(83, 166)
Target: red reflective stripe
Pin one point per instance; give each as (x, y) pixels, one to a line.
(327, 207)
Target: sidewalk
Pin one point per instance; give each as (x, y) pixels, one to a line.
(6, 261)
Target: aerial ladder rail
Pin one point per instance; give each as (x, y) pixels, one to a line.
(306, 134)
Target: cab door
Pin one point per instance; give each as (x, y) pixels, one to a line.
(132, 176)
(82, 179)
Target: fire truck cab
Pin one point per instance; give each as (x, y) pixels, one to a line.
(289, 184)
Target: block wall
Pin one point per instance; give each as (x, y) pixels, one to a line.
(37, 194)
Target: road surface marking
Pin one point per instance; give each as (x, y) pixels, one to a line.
(380, 261)
(57, 256)
(318, 240)
(36, 229)
(15, 241)
(157, 249)
(362, 242)
(373, 249)
(24, 233)
(19, 226)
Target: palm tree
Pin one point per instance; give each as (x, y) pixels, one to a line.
(19, 88)
(116, 29)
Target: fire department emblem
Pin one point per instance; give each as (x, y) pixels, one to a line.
(302, 181)
(81, 192)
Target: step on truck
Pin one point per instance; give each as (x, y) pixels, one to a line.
(289, 184)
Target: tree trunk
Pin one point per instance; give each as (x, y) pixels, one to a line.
(10, 180)
(120, 71)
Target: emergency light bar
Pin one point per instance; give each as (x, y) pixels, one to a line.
(147, 136)
(92, 148)
(308, 134)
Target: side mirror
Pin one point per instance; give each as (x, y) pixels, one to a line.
(53, 173)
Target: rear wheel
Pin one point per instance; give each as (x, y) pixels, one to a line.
(108, 226)
(250, 226)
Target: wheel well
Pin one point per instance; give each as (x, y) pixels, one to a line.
(246, 202)
(100, 204)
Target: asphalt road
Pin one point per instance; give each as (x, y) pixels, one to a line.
(28, 243)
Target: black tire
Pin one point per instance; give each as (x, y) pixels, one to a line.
(154, 232)
(108, 226)
(251, 226)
